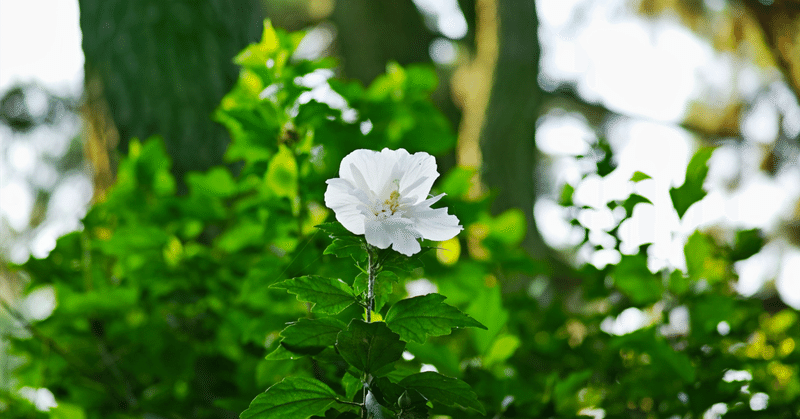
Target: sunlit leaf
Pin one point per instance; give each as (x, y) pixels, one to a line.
(427, 315)
(329, 295)
(292, 398)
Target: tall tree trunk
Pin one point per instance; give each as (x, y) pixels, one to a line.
(162, 69)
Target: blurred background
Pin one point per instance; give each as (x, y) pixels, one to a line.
(654, 80)
(542, 94)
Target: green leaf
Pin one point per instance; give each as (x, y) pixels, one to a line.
(632, 277)
(566, 195)
(217, 182)
(335, 230)
(329, 295)
(292, 398)
(487, 307)
(702, 261)
(370, 347)
(692, 189)
(632, 201)
(502, 349)
(351, 385)
(417, 318)
(565, 391)
(639, 176)
(347, 247)
(748, 243)
(281, 174)
(256, 55)
(442, 389)
(310, 337)
(384, 282)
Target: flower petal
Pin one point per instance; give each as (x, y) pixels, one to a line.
(399, 232)
(417, 173)
(434, 224)
(376, 234)
(341, 197)
(375, 168)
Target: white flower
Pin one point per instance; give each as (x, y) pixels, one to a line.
(384, 196)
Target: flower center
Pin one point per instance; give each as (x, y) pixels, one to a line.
(393, 201)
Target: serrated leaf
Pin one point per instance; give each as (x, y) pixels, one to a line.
(442, 389)
(329, 295)
(370, 347)
(292, 398)
(335, 230)
(692, 189)
(417, 318)
(311, 336)
(639, 176)
(347, 247)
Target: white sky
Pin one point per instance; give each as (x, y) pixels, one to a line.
(40, 40)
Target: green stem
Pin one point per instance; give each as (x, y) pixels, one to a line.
(372, 271)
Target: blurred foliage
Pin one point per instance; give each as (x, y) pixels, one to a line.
(165, 307)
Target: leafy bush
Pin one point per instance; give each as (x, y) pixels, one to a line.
(176, 306)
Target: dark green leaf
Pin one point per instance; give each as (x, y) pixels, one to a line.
(692, 189)
(329, 295)
(335, 230)
(748, 243)
(632, 277)
(370, 347)
(385, 391)
(310, 337)
(417, 318)
(292, 398)
(442, 389)
(347, 247)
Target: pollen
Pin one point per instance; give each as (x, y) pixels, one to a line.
(393, 201)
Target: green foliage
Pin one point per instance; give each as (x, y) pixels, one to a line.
(168, 304)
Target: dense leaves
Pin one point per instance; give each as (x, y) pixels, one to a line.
(167, 304)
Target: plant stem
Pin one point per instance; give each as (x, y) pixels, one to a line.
(372, 271)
